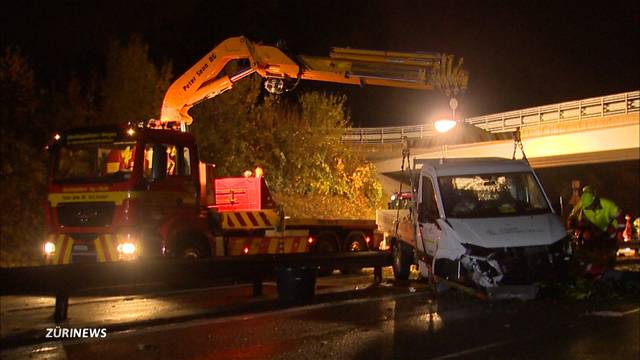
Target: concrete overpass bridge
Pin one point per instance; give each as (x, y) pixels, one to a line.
(587, 131)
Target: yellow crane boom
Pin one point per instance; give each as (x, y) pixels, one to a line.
(205, 79)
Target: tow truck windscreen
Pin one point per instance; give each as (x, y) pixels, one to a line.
(104, 162)
(492, 195)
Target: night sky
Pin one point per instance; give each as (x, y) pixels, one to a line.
(519, 53)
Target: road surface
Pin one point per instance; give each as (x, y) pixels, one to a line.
(387, 322)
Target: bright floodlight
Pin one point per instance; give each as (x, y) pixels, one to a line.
(444, 125)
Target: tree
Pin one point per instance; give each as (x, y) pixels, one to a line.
(224, 127)
(77, 105)
(22, 170)
(18, 98)
(133, 87)
(297, 143)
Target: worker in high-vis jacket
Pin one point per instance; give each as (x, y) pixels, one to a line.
(600, 223)
(601, 213)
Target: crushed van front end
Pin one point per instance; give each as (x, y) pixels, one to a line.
(492, 267)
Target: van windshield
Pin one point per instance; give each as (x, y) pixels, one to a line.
(492, 195)
(107, 162)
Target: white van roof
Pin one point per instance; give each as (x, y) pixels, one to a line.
(469, 166)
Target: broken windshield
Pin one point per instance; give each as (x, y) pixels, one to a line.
(492, 195)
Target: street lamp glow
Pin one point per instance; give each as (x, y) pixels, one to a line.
(444, 125)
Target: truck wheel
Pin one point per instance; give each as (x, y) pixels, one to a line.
(402, 259)
(355, 242)
(325, 244)
(194, 249)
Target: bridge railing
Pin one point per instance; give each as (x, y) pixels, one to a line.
(591, 108)
(383, 135)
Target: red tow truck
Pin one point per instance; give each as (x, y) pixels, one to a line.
(123, 192)
(117, 193)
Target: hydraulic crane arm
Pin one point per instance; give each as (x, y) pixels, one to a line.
(205, 80)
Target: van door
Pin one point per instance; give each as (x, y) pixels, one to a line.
(430, 231)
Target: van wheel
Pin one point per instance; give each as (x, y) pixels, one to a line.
(355, 242)
(326, 244)
(402, 259)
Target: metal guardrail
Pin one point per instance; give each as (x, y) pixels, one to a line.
(65, 280)
(591, 108)
(71, 278)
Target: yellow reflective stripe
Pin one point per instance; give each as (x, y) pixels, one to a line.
(235, 246)
(99, 250)
(291, 244)
(273, 246)
(111, 247)
(156, 198)
(111, 196)
(264, 219)
(106, 248)
(67, 253)
(287, 245)
(58, 255)
(295, 245)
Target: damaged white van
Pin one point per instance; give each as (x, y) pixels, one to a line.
(482, 221)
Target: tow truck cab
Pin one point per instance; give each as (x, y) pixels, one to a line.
(487, 222)
(116, 192)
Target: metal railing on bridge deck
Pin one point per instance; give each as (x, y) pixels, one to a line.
(591, 108)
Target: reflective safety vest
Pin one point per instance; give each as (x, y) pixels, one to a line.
(604, 215)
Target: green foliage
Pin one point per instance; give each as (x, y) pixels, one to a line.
(22, 169)
(222, 128)
(78, 105)
(23, 183)
(134, 86)
(297, 143)
(18, 96)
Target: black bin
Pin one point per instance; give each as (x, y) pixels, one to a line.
(296, 285)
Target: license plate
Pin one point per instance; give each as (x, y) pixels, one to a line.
(80, 248)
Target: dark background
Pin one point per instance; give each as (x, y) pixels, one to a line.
(617, 181)
(519, 53)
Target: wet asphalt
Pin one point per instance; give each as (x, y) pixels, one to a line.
(398, 321)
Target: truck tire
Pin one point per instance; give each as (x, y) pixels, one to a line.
(402, 259)
(194, 249)
(355, 242)
(326, 243)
